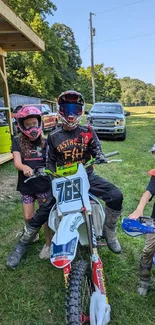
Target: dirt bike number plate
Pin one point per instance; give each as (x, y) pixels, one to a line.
(72, 192)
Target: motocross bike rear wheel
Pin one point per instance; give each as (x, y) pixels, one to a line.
(79, 291)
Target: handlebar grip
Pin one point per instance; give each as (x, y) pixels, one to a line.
(110, 154)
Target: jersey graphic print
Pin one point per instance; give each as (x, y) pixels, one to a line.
(35, 154)
(74, 149)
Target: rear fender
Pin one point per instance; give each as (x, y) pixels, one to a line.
(65, 241)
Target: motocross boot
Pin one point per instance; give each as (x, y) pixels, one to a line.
(145, 277)
(21, 248)
(109, 229)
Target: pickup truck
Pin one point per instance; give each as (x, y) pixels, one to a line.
(108, 119)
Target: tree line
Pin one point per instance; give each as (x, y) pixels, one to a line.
(59, 68)
(136, 92)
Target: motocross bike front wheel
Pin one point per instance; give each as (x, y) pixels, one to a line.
(79, 291)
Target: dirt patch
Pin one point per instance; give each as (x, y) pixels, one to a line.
(8, 187)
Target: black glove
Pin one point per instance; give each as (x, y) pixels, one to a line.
(100, 158)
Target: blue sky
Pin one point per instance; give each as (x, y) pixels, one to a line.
(132, 57)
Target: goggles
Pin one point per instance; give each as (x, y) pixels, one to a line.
(68, 109)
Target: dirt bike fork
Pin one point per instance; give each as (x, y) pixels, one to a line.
(98, 277)
(66, 271)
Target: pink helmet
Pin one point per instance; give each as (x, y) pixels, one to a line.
(71, 108)
(27, 112)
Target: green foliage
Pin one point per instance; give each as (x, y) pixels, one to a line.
(72, 52)
(136, 93)
(107, 86)
(27, 9)
(59, 68)
(43, 74)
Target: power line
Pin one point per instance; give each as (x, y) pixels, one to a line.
(126, 38)
(85, 49)
(120, 39)
(122, 6)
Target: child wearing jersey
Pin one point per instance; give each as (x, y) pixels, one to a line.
(29, 151)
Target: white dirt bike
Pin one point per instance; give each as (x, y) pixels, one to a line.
(77, 218)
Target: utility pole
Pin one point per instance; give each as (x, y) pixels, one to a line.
(92, 33)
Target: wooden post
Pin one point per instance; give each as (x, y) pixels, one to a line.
(5, 86)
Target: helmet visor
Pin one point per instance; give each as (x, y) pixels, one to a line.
(68, 109)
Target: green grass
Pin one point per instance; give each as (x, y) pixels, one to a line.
(140, 109)
(33, 294)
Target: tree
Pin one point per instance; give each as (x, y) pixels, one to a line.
(107, 86)
(43, 74)
(69, 46)
(27, 72)
(27, 10)
(83, 83)
(112, 86)
(136, 93)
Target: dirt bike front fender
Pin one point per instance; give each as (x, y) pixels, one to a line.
(64, 243)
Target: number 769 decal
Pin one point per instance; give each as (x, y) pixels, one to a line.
(69, 190)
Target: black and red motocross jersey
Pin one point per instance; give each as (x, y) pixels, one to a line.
(78, 145)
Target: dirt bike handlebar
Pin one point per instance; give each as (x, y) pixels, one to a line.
(110, 154)
(42, 171)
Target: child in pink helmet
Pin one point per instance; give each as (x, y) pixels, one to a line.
(29, 151)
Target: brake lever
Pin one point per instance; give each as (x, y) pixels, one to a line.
(114, 160)
(31, 177)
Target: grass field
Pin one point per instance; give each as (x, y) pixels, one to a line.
(34, 293)
(141, 109)
(133, 109)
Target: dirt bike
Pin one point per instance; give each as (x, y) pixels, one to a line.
(77, 218)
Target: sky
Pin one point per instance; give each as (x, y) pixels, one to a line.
(133, 57)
